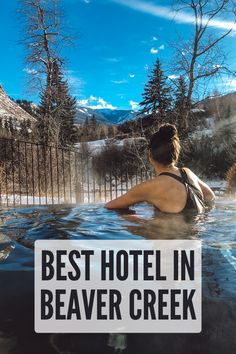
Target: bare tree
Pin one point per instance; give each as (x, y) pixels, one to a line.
(43, 37)
(202, 57)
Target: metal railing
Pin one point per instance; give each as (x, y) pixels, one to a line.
(35, 174)
(102, 186)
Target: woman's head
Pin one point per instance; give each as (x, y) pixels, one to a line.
(164, 145)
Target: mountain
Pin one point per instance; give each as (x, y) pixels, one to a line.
(105, 116)
(11, 110)
(85, 112)
(220, 106)
(17, 110)
(28, 106)
(118, 116)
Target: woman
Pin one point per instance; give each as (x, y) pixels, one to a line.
(173, 190)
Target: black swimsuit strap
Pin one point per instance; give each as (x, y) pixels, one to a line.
(183, 179)
(193, 193)
(186, 179)
(178, 178)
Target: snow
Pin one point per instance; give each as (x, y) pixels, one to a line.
(96, 194)
(216, 184)
(208, 131)
(210, 121)
(198, 110)
(96, 146)
(84, 110)
(32, 200)
(9, 109)
(201, 133)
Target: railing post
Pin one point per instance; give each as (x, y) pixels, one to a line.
(78, 189)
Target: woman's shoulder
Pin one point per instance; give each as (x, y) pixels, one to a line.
(153, 184)
(186, 169)
(193, 178)
(190, 173)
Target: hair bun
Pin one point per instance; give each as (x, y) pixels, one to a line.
(167, 132)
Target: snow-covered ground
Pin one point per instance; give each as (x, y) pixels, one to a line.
(31, 200)
(216, 184)
(96, 146)
(93, 193)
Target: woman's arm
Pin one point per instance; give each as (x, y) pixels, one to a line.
(135, 195)
(207, 192)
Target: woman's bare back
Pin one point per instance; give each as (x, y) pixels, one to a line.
(164, 192)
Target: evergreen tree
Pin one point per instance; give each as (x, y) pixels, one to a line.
(228, 112)
(6, 125)
(68, 132)
(156, 96)
(181, 103)
(93, 125)
(1, 128)
(28, 106)
(102, 133)
(43, 128)
(25, 128)
(85, 128)
(93, 122)
(12, 128)
(57, 111)
(110, 132)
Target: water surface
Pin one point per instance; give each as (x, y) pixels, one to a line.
(19, 228)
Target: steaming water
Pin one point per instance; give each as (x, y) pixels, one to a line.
(19, 228)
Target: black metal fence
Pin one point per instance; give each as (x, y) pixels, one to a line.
(35, 174)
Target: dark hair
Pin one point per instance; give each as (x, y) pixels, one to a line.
(165, 145)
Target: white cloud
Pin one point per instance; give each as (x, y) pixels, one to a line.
(162, 47)
(169, 14)
(74, 81)
(30, 71)
(83, 102)
(173, 77)
(95, 103)
(146, 67)
(131, 76)
(154, 51)
(154, 38)
(113, 60)
(92, 98)
(231, 84)
(119, 82)
(134, 105)
(121, 95)
(87, 1)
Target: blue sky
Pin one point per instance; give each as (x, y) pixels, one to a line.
(118, 42)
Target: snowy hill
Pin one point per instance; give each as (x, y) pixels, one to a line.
(117, 116)
(220, 106)
(105, 116)
(11, 110)
(97, 146)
